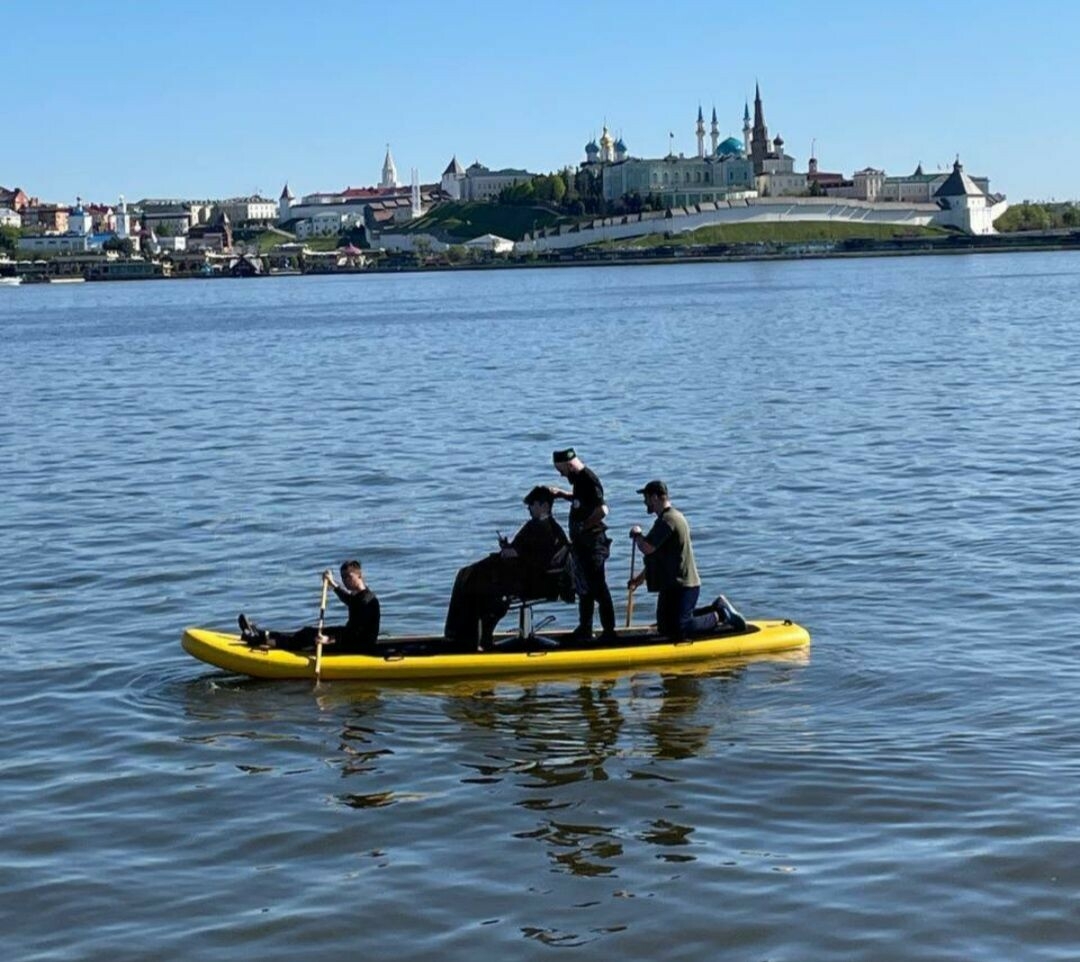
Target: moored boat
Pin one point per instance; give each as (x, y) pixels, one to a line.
(426, 657)
(14, 281)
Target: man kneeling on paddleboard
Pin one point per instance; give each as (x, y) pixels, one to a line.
(671, 572)
(357, 637)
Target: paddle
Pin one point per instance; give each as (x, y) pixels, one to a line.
(320, 638)
(630, 585)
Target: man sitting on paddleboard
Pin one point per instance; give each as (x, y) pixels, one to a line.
(520, 568)
(357, 637)
(671, 572)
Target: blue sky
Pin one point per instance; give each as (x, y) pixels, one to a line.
(214, 99)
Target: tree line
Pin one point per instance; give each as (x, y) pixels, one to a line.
(576, 194)
(1032, 216)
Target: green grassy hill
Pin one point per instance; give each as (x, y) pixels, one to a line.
(780, 233)
(461, 222)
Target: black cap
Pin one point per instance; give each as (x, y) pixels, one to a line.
(654, 487)
(561, 457)
(540, 493)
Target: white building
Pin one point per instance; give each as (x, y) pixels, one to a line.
(920, 187)
(80, 221)
(248, 210)
(453, 179)
(9, 218)
(778, 177)
(722, 171)
(329, 222)
(285, 204)
(57, 243)
(965, 205)
(482, 184)
(173, 216)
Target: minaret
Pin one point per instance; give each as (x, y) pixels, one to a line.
(715, 132)
(759, 140)
(700, 133)
(746, 128)
(389, 172)
(415, 194)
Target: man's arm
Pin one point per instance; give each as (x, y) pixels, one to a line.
(597, 517)
(647, 544)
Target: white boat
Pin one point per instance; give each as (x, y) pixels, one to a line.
(67, 280)
(10, 281)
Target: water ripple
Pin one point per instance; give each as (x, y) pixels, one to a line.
(884, 451)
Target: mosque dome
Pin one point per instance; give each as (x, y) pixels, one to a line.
(730, 146)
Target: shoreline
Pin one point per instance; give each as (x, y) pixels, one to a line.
(651, 256)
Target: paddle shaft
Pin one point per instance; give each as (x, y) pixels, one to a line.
(630, 587)
(319, 637)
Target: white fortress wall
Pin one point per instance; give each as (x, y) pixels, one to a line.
(754, 210)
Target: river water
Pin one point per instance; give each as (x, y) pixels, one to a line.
(884, 450)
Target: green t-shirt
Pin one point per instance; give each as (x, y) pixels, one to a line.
(672, 563)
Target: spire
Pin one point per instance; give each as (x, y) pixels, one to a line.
(746, 113)
(700, 115)
(759, 140)
(389, 171)
(714, 115)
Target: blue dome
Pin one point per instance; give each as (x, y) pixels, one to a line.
(592, 148)
(730, 146)
(619, 145)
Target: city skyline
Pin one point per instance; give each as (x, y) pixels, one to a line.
(202, 101)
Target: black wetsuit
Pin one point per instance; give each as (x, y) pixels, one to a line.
(358, 636)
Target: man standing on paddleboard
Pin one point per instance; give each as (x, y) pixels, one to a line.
(589, 543)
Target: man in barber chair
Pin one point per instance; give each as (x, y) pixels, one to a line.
(525, 567)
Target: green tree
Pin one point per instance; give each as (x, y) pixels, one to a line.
(558, 188)
(124, 245)
(9, 238)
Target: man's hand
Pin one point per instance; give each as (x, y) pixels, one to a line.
(635, 531)
(328, 577)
